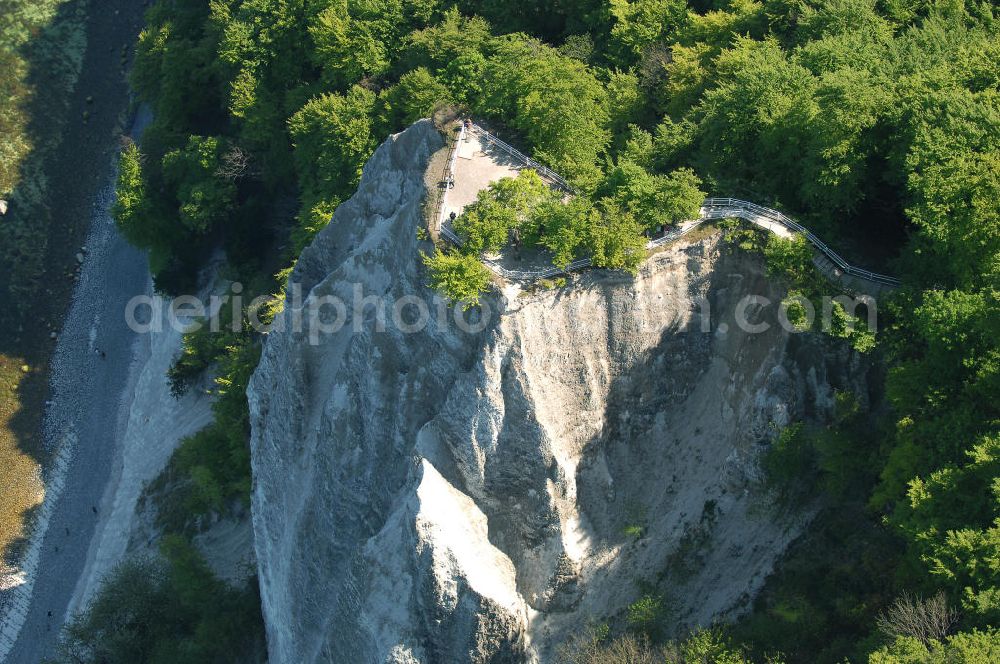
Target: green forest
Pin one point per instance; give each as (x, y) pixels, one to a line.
(876, 122)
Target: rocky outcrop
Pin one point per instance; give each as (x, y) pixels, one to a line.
(439, 492)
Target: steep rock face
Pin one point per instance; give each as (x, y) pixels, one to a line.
(455, 494)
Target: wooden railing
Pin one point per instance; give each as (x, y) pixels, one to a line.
(712, 208)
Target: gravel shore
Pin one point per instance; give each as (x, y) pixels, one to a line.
(91, 370)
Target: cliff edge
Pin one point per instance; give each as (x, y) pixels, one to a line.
(434, 491)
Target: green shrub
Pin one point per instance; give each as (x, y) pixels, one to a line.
(155, 611)
(616, 241)
(460, 277)
(790, 258)
(633, 530)
(646, 614)
(972, 647)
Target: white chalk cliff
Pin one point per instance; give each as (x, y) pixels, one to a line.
(450, 496)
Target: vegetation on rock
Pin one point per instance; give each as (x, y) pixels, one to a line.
(876, 122)
(173, 610)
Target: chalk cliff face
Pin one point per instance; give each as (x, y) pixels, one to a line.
(447, 495)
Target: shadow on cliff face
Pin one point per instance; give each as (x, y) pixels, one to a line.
(669, 493)
(673, 480)
(435, 484)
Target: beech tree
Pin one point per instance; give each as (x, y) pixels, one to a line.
(638, 24)
(655, 200)
(616, 240)
(461, 277)
(555, 101)
(563, 228)
(204, 198)
(348, 48)
(415, 97)
(499, 212)
(333, 135)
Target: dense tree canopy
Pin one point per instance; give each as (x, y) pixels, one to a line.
(461, 277)
(971, 648)
(877, 121)
(151, 611)
(204, 196)
(655, 200)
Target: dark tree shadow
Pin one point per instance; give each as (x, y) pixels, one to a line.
(72, 125)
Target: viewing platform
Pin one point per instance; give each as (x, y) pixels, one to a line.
(479, 158)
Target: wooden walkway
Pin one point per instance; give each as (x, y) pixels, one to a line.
(827, 261)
